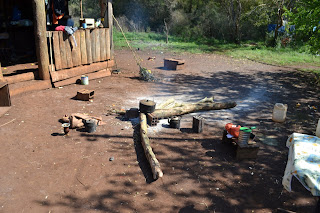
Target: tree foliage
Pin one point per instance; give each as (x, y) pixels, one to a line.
(306, 17)
(231, 20)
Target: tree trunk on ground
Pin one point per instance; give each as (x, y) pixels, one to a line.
(189, 108)
(154, 163)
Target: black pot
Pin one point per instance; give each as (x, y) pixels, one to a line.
(175, 122)
(147, 106)
(90, 125)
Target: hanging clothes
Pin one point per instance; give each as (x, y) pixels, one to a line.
(58, 8)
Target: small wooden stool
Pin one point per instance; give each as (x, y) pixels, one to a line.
(244, 151)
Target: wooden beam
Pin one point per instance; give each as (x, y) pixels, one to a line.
(103, 55)
(75, 49)
(63, 52)
(91, 76)
(83, 47)
(93, 44)
(20, 78)
(67, 44)
(41, 38)
(56, 50)
(97, 45)
(88, 45)
(108, 47)
(39, 85)
(69, 73)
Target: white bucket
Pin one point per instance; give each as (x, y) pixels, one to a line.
(279, 112)
(84, 80)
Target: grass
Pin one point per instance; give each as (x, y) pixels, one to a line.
(254, 51)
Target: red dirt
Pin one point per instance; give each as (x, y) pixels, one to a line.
(45, 171)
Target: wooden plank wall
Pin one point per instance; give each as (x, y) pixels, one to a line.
(90, 46)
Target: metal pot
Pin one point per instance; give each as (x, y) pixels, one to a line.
(175, 122)
(147, 106)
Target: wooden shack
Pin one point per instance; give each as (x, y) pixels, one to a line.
(63, 58)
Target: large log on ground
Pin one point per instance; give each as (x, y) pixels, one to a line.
(189, 108)
(154, 163)
(69, 73)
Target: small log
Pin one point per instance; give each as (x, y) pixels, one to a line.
(154, 163)
(189, 108)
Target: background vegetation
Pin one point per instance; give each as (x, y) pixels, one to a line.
(235, 27)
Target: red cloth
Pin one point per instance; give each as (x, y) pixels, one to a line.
(60, 28)
(233, 129)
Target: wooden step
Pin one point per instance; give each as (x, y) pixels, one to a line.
(28, 86)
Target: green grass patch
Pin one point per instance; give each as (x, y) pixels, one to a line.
(253, 51)
(276, 56)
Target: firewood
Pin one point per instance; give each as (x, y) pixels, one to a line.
(193, 107)
(154, 163)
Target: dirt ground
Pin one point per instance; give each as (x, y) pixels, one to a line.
(44, 171)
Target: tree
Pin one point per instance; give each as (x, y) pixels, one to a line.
(306, 17)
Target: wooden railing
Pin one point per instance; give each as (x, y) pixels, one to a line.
(90, 46)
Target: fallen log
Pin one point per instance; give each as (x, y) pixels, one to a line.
(154, 163)
(189, 108)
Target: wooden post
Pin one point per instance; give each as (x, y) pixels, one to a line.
(81, 13)
(41, 38)
(110, 26)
